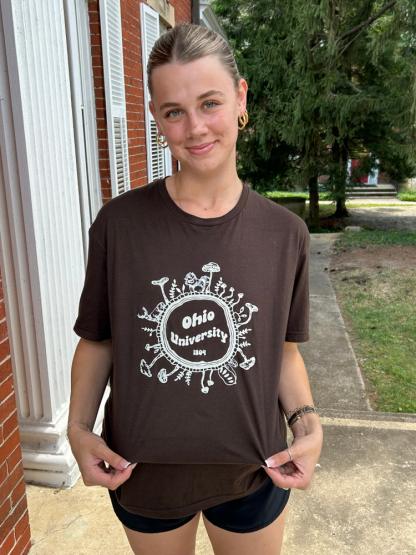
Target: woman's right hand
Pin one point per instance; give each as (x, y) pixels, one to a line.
(91, 453)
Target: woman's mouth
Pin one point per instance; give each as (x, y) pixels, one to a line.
(201, 149)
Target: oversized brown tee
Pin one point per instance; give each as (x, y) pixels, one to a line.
(198, 310)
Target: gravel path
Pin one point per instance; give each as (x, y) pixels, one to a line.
(383, 217)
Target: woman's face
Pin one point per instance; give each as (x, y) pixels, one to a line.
(197, 104)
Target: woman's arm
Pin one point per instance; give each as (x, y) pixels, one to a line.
(294, 392)
(90, 371)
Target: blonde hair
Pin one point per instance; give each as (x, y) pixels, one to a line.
(187, 42)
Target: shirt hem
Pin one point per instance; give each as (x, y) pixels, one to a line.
(91, 336)
(297, 336)
(178, 512)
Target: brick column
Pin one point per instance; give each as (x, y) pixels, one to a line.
(14, 517)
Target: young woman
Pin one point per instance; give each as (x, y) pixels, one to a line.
(195, 297)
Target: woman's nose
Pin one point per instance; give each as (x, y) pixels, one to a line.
(196, 123)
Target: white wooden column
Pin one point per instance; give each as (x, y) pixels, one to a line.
(40, 231)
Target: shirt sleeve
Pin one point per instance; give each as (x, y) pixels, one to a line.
(298, 322)
(93, 320)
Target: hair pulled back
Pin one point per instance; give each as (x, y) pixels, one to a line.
(187, 42)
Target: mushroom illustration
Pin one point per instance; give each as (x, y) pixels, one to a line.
(252, 308)
(211, 267)
(161, 282)
(145, 368)
(240, 295)
(163, 374)
(247, 362)
(159, 347)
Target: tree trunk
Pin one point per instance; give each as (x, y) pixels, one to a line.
(339, 154)
(313, 201)
(341, 209)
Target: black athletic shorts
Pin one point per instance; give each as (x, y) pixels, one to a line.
(246, 514)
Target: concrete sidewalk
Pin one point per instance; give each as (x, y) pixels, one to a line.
(361, 498)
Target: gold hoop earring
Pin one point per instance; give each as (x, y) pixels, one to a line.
(161, 142)
(243, 120)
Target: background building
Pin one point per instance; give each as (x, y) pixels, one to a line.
(75, 131)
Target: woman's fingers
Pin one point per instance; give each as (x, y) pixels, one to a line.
(293, 468)
(280, 458)
(283, 480)
(109, 477)
(99, 465)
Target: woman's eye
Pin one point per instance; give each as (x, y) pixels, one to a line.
(172, 112)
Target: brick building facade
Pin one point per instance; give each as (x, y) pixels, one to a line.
(38, 157)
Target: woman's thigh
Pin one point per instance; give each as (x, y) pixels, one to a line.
(251, 524)
(180, 541)
(267, 540)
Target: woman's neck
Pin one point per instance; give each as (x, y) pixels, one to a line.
(208, 195)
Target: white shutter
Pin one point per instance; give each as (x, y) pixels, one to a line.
(158, 158)
(112, 45)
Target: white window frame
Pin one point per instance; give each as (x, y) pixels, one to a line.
(115, 99)
(159, 159)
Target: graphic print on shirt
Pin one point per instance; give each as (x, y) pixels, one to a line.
(199, 329)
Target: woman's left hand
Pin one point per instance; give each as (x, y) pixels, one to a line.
(305, 451)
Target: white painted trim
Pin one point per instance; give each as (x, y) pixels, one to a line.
(147, 11)
(41, 253)
(209, 19)
(83, 105)
(114, 93)
(159, 159)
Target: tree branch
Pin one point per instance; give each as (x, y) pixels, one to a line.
(369, 21)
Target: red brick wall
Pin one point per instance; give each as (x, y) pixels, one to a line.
(14, 517)
(133, 81)
(133, 75)
(182, 10)
(98, 75)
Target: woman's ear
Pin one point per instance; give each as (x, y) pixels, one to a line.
(153, 111)
(242, 93)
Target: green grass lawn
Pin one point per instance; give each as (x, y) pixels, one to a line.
(360, 204)
(365, 237)
(378, 306)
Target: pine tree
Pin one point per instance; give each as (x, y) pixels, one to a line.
(328, 80)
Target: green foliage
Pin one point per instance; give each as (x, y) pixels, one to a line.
(364, 238)
(328, 80)
(288, 194)
(378, 307)
(407, 195)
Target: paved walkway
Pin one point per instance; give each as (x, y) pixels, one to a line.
(352, 505)
(398, 216)
(361, 500)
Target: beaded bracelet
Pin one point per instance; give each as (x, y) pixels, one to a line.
(298, 413)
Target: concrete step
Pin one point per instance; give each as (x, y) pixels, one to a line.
(388, 186)
(378, 189)
(371, 195)
(371, 415)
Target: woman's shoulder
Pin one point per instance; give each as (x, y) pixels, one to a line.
(131, 203)
(277, 216)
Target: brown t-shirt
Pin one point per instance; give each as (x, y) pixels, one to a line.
(198, 310)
